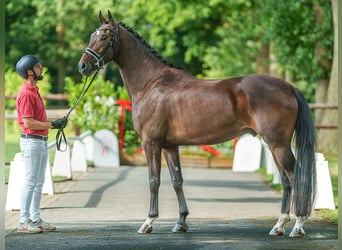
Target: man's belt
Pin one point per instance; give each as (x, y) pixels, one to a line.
(40, 137)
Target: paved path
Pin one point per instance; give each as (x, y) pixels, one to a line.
(103, 209)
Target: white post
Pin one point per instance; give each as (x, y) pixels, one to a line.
(247, 154)
(61, 164)
(325, 196)
(78, 157)
(106, 149)
(48, 187)
(267, 158)
(89, 147)
(16, 180)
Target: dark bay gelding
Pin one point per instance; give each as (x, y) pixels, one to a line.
(173, 108)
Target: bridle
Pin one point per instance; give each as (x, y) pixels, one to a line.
(99, 58)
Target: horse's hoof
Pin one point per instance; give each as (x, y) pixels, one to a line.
(179, 228)
(297, 232)
(145, 229)
(277, 231)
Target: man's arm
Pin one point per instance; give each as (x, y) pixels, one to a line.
(31, 123)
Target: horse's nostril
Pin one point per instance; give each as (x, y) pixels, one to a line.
(82, 67)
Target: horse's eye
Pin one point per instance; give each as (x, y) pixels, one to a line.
(104, 37)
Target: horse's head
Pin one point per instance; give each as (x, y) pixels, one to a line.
(100, 48)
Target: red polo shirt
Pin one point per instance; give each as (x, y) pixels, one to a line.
(30, 104)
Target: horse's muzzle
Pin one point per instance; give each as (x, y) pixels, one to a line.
(85, 68)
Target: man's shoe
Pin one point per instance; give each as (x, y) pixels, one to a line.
(29, 227)
(44, 226)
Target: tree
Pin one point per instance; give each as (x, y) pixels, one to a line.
(55, 31)
(208, 38)
(302, 34)
(328, 139)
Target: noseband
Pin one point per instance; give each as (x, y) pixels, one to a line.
(99, 58)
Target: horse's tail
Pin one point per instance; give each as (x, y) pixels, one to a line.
(304, 181)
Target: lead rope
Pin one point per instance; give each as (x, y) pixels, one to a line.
(60, 136)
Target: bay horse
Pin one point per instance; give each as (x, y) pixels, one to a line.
(170, 107)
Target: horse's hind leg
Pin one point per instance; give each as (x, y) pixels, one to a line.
(173, 163)
(285, 162)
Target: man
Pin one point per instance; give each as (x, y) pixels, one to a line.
(33, 144)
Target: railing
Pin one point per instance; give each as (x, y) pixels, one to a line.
(314, 106)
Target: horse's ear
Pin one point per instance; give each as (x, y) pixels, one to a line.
(102, 19)
(110, 18)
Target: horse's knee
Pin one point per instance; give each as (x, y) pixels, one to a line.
(154, 184)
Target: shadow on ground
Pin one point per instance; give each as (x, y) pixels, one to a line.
(202, 234)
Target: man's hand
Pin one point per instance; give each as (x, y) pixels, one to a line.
(60, 123)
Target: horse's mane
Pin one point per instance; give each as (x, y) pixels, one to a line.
(149, 47)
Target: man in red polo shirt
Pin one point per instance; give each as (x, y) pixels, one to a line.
(33, 144)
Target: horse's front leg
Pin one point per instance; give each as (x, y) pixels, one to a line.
(153, 156)
(173, 163)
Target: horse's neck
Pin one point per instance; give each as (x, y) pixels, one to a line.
(138, 67)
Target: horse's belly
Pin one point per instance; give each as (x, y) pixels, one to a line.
(205, 133)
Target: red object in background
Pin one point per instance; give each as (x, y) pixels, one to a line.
(124, 104)
(210, 150)
(235, 140)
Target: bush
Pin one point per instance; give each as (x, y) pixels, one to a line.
(98, 109)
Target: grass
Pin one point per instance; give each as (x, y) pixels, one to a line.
(330, 215)
(12, 132)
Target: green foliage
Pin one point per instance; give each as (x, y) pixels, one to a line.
(98, 109)
(58, 31)
(209, 38)
(131, 141)
(225, 148)
(11, 140)
(238, 43)
(296, 35)
(301, 34)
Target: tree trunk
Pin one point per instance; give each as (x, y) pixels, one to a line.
(61, 45)
(263, 59)
(325, 63)
(321, 97)
(328, 138)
